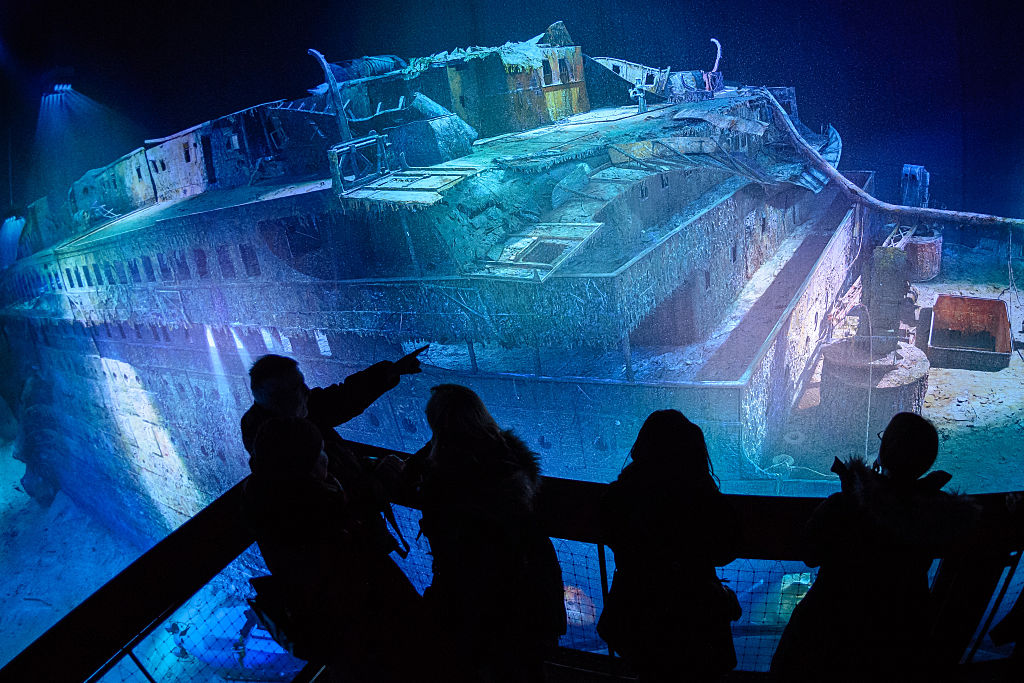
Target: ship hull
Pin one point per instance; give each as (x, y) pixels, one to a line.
(137, 418)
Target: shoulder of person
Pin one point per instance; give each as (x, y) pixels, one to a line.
(521, 455)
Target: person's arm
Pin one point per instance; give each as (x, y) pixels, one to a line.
(339, 403)
(411, 477)
(825, 530)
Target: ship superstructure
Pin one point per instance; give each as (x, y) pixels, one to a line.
(576, 261)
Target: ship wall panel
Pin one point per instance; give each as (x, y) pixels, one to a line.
(712, 257)
(471, 82)
(178, 177)
(724, 442)
(767, 226)
(432, 254)
(130, 191)
(569, 97)
(45, 225)
(119, 188)
(650, 202)
(434, 84)
(233, 231)
(780, 375)
(148, 426)
(80, 444)
(688, 257)
(228, 147)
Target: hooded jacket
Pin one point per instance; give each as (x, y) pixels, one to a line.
(869, 609)
(497, 583)
(669, 529)
(329, 407)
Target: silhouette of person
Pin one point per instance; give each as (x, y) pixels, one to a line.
(1010, 628)
(868, 613)
(497, 585)
(669, 525)
(350, 604)
(279, 390)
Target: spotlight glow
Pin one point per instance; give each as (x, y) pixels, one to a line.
(242, 353)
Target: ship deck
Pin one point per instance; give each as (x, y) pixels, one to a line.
(151, 216)
(724, 356)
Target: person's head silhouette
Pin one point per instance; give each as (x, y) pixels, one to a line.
(456, 413)
(278, 385)
(909, 447)
(668, 436)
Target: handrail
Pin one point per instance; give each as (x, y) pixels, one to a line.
(168, 574)
(159, 581)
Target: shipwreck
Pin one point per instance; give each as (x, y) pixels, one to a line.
(580, 240)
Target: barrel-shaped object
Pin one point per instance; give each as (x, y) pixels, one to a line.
(897, 382)
(924, 257)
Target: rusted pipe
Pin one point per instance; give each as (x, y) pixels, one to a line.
(332, 85)
(857, 194)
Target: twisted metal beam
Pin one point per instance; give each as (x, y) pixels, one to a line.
(859, 195)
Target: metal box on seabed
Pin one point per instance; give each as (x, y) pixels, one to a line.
(971, 333)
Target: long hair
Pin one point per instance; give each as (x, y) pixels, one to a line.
(668, 437)
(459, 419)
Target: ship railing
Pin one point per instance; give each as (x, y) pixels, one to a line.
(355, 163)
(178, 613)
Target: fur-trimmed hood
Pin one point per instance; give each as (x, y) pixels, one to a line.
(502, 476)
(916, 513)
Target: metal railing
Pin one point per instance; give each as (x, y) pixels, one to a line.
(178, 613)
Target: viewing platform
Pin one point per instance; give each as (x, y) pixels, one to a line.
(178, 613)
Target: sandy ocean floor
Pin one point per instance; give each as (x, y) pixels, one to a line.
(979, 415)
(50, 559)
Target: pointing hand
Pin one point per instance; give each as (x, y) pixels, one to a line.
(409, 364)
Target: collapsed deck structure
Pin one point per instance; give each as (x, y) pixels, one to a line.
(575, 258)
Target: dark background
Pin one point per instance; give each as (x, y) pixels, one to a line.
(936, 83)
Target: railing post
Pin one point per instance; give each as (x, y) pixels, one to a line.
(138, 663)
(603, 566)
(963, 588)
(985, 627)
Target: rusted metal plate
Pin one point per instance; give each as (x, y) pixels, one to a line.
(970, 333)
